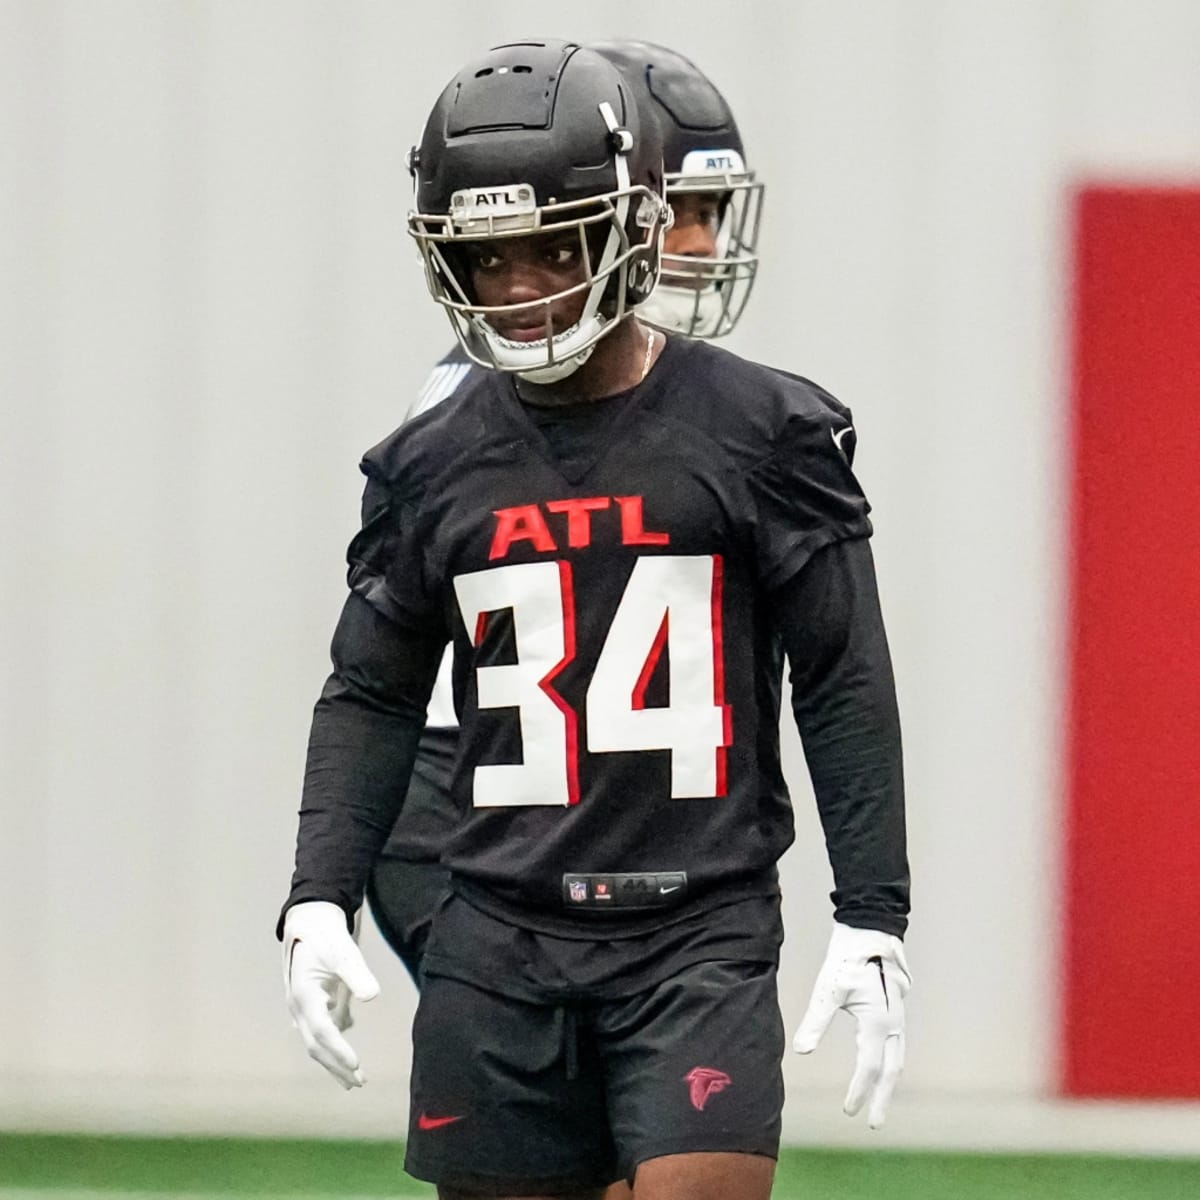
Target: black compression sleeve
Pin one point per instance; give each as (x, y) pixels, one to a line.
(360, 753)
(844, 701)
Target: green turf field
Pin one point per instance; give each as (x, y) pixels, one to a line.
(57, 1167)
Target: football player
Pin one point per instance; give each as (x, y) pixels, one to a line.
(618, 530)
(710, 260)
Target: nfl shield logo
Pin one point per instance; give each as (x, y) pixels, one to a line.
(578, 888)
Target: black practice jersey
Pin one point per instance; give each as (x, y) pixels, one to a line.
(429, 813)
(615, 578)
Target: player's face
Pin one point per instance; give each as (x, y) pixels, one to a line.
(694, 234)
(523, 271)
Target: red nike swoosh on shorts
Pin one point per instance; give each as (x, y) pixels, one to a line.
(424, 1122)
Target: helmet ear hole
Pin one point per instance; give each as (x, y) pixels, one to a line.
(642, 277)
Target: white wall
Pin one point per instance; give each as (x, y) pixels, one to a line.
(209, 308)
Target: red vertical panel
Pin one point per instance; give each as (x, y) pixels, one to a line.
(1131, 1020)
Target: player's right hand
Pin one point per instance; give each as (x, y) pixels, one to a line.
(321, 964)
(866, 974)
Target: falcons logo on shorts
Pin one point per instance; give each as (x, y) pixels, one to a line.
(704, 1082)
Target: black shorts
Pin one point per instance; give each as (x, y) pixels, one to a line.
(514, 1097)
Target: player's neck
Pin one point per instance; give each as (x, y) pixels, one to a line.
(619, 362)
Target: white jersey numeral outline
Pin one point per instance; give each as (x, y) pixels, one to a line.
(671, 603)
(541, 597)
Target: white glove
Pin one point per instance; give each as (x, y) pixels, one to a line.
(321, 964)
(865, 973)
(339, 1007)
(339, 1010)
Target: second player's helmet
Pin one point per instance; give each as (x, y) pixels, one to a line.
(702, 153)
(539, 137)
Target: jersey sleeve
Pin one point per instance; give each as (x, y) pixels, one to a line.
(366, 724)
(805, 495)
(844, 702)
(361, 748)
(386, 564)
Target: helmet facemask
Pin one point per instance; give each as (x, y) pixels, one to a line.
(704, 297)
(620, 236)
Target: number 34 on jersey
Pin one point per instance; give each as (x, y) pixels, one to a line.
(671, 603)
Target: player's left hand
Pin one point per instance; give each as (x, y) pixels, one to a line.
(322, 968)
(864, 973)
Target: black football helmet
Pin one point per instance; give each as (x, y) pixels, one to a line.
(702, 153)
(534, 137)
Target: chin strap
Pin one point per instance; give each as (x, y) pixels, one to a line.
(558, 370)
